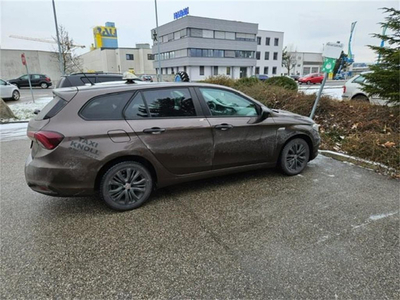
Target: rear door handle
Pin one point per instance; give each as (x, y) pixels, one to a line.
(223, 126)
(154, 130)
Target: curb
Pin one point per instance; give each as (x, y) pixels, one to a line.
(358, 161)
(16, 122)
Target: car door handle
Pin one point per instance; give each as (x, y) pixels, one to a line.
(154, 130)
(223, 126)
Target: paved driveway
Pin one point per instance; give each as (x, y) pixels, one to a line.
(330, 233)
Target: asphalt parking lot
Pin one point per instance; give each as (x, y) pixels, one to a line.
(330, 233)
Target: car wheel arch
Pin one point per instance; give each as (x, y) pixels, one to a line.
(359, 94)
(114, 161)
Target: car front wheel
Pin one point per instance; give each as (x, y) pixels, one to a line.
(294, 156)
(126, 185)
(44, 85)
(15, 95)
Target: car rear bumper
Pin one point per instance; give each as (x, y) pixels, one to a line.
(55, 181)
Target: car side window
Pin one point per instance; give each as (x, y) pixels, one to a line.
(226, 103)
(2, 82)
(105, 107)
(359, 79)
(136, 109)
(169, 103)
(25, 77)
(35, 76)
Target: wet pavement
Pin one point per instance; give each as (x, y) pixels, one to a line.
(330, 233)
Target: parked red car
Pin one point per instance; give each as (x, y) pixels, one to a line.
(311, 78)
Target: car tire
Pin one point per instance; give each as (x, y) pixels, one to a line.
(119, 183)
(362, 98)
(308, 82)
(294, 156)
(44, 85)
(182, 76)
(15, 95)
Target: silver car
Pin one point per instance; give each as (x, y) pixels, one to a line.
(9, 91)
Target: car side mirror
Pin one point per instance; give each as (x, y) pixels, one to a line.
(264, 113)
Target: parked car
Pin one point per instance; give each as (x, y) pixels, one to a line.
(295, 77)
(79, 79)
(36, 80)
(311, 78)
(8, 90)
(124, 140)
(261, 77)
(147, 78)
(352, 90)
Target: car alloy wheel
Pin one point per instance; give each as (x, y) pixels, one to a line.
(295, 156)
(308, 82)
(126, 185)
(44, 85)
(15, 95)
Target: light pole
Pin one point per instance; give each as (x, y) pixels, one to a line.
(159, 76)
(60, 58)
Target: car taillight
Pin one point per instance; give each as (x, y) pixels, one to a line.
(48, 79)
(344, 89)
(48, 139)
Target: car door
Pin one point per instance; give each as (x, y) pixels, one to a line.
(35, 79)
(238, 139)
(5, 90)
(170, 123)
(23, 81)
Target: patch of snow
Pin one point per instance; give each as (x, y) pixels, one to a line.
(24, 110)
(334, 93)
(381, 216)
(13, 131)
(374, 218)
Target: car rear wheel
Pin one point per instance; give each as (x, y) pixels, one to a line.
(294, 156)
(308, 82)
(360, 98)
(15, 95)
(126, 185)
(44, 85)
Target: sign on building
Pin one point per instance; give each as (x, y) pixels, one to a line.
(181, 13)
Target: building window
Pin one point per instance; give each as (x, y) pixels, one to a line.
(266, 56)
(245, 54)
(267, 41)
(194, 32)
(229, 53)
(275, 55)
(265, 70)
(201, 70)
(129, 56)
(258, 55)
(172, 71)
(273, 70)
(276, 42)
(245, 37)
(218, 53)
(215, 70)
(150, 56)
(259, 40)
(257, 70)
(228, 70)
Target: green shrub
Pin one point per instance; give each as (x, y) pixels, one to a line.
(221, 80)
(246, 81)
(282, 81)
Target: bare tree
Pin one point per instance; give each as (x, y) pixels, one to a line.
(71, 62)
(288, 59)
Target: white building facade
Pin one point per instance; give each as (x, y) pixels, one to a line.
(306, 63)
(269, 53)
(205, 47)
(120, 60)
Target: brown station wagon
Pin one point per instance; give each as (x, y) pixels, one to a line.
(125, 139)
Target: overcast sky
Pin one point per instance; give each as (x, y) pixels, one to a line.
(307, 25)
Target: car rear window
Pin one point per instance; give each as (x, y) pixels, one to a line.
(64, 82)
(106, 107)
(52, 108)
